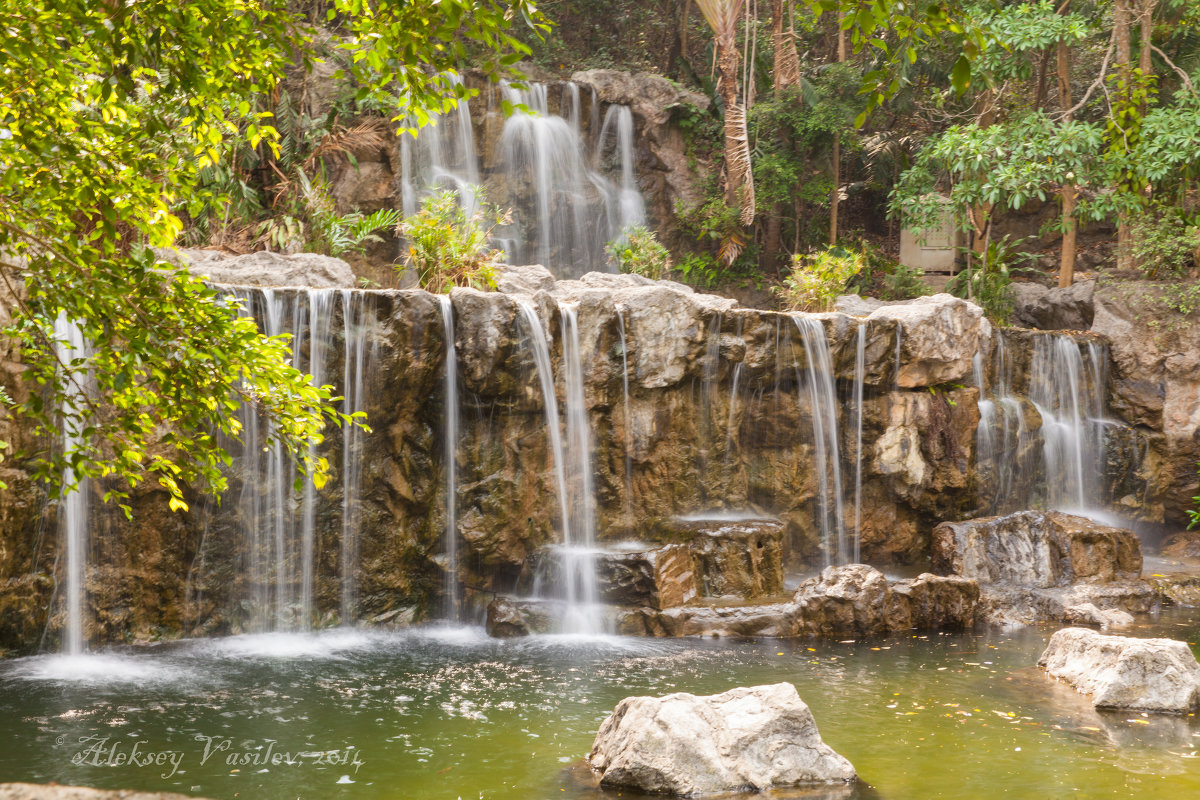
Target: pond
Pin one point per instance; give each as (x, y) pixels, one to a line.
(450, 713)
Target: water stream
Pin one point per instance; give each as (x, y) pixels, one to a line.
(73, 506)
(452, 592)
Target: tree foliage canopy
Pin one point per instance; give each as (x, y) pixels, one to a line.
(108, 110)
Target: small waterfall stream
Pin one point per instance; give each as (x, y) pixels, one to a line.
(359, 352)
(452, 589)
(860, 367)
(73, 504)
(822, 403)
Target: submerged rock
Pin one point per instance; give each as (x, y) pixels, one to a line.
(1123, 672)
(1037, 550)
(754, 738)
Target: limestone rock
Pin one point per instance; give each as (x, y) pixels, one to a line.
(649, 96)
(1036, 549)
(505, 620)
(1020, 605)
(264, 268)
(527, 279)
(1185, 544)
(776, 620)
(857, 600)
(939, 337)
(655, 577)
(1123, 672)
(30, 791)
(759, 738)
(1058, 309)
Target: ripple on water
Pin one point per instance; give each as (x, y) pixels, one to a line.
(95, 668)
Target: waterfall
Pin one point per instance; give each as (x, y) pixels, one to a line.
(628, 417)
(1068, 391)
(545, 371)
(320, 313)
(630, 210)
(278, 524)
(860, 368)
(731, 422)
(579, 539)
(896, 367)
(822, 403)
(705, 426)
(357, 317)
(452, 590)
(441, 157)
(74, 503)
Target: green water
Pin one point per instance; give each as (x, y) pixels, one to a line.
(451, 714)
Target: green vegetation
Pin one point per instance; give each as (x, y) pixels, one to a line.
(816, 280)
(449, 245)
(109, 114)
(639, 252)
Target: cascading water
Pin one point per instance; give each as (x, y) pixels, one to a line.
(1068, 391)
(359, 353)
(545, 371)
(565, 208)
(452, 589)
(822, 403)
(280, 528)
(73, 505)
(860, 368)
(579, 550)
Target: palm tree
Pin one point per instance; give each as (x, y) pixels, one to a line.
(722, 16)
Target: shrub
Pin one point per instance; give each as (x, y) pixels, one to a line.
(448, 247)
(638, 251)
(988, 281)
(1165, 243)
(817, 279)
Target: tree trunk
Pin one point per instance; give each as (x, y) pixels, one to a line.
(1121, 22)
(787, 61)
(739, 182)
(1066, 264)
(836, 197)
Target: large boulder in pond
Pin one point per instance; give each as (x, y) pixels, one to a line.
(1124, 672)
(755, 738)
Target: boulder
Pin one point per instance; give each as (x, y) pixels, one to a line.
(1058, 309)
(857, 600)
(526, 279)
(776, 620)
(1036, 549)
(505, 620)
(31, 791)
(1123, 672)
(264, 268)
(657, 577)
(939, 336)
(1185, 544)
(1021, 605)
(756, 738)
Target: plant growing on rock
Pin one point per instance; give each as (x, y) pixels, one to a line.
(817, 279)
(449, 244)
(638, 251)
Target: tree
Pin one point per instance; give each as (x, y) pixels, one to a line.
(107, 112)
(722, 16)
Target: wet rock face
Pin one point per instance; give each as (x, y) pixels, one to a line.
(1155, 383)
(718, 413)
(1037, 550)
(1123, 672)
(760, 738)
